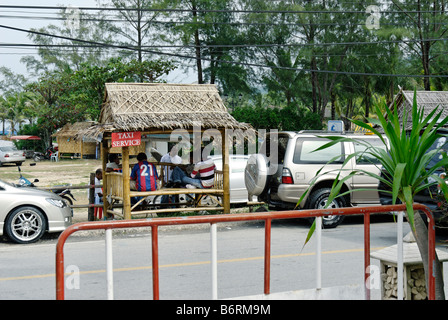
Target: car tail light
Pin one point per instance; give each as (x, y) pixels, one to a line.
(6, 155)
(286, 176)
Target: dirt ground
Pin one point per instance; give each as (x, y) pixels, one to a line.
(75, 172)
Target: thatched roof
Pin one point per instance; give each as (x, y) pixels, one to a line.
(160, 106)
(429, 100)
(73, 129)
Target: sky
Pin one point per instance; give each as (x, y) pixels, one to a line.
(10, 57)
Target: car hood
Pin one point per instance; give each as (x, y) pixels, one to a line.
(31, 191)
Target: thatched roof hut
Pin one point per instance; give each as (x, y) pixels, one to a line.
(429, 100)
(70, 143)
(160, 106)
(152, 108)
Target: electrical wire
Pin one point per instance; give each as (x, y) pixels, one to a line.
(213, 10)
(106, 45)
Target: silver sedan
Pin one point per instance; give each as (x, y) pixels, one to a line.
(9, 154)
(26, 213)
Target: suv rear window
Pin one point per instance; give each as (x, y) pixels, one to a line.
(303, 152)
(275, 143)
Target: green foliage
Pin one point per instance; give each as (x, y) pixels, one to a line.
(288, 118)
(71, 96)
(89, 82)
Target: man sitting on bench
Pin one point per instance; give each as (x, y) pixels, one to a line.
(144, 174)
(202, 176)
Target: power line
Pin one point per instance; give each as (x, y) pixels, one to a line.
(246, 45)
(214, 10)
(200, 23)
(106, 45)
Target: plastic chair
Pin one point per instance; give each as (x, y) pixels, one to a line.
(55, 156)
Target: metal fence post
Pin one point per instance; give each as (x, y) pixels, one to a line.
(214, 258)
(109, 265)
(318, 253)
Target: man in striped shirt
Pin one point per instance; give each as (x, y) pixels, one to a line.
(143, 175)
(202, 176)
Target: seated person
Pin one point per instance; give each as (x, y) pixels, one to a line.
(202, 176)
(114, 163)
(170, 157)
(144, 174)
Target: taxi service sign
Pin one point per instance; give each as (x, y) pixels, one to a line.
(126, 139)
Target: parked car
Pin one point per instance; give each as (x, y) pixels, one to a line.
(237, 164)
(10, 154)
(432, 197)
(290, 166)
(27, 213)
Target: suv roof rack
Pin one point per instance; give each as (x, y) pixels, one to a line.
(332, 132)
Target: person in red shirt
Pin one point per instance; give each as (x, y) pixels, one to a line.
(144, 174)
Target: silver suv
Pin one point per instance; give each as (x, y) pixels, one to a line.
(289, 165)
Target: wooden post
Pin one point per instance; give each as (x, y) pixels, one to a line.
(126, 184)
(225, 172)
(104, 156)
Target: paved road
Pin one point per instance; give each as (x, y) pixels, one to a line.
(27, 271)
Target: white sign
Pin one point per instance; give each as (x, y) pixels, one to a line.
(335, 125)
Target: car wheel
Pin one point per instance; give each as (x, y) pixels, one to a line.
(256, 174)
(25, 225)
(318, 200)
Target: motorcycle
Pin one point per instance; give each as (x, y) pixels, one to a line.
(39, 156)
(63, 193)
(24, 182)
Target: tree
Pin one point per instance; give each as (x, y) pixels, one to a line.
(51, 57)
(135, 24)
(88, 83)
(208, 31)
(287, 118)
(54, 89)
(426, 23)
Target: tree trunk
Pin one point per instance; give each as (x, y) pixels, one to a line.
(198, 46)
(421, 236)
